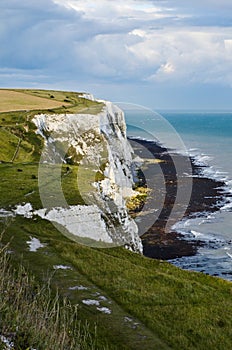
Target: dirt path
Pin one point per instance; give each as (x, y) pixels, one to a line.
(16, 151)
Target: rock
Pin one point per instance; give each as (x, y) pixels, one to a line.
(98, 144)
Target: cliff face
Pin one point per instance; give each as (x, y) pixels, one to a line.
(98, 145)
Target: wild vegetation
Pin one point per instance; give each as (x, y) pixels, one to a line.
(32, 316)
(151, 304)
(136, 202)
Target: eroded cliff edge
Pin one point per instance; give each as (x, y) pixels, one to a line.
(98, 145)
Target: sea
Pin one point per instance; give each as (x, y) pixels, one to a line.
(206, 137)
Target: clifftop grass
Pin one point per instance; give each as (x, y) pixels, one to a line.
(13, 100)
(49, 100)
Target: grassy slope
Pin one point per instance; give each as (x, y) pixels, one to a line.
(185, 310)
(175, 308)
(29, 310)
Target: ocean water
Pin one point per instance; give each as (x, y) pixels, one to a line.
(207, 136)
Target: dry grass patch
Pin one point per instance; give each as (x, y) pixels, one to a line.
(15, 101)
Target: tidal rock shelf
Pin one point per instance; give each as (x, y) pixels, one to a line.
(207, 196)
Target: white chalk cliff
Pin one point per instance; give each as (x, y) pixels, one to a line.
(98, 144)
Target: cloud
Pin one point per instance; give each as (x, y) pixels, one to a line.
(198, 5)
(167, 68)
(187, 55)
(152, 42)
(124, 41)
(32, 34)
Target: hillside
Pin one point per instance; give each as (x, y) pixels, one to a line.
(17, 133)
(135, 302)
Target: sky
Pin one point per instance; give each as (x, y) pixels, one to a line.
(162, 54)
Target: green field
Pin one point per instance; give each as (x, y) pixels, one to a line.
(17, 101)
(153, 305)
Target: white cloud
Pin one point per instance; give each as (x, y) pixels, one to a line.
(186, 55)
(167, 68)
(145, 41)
(228, 45)
(138, 32)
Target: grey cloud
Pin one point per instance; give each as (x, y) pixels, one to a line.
(54, 42)
(30, 33)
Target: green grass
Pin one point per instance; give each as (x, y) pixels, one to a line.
(185, 309)
(22, 187)
(8, 144)
(32, 316)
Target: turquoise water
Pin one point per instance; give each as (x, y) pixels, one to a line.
(201, 123)
(208, 137)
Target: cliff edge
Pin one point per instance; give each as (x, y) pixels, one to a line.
(98, 146)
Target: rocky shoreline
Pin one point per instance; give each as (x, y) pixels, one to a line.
(207, 197)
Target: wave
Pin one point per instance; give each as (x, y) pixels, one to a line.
(201, 159)
(140, 138)
(227, 206)
(220, 266)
